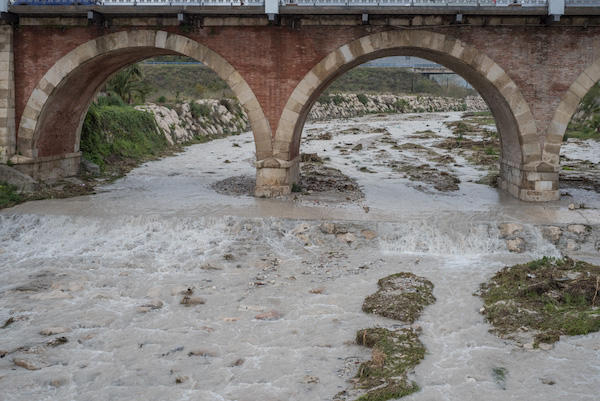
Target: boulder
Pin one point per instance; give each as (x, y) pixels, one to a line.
(89, 167)
(22, 181)
(516, 245)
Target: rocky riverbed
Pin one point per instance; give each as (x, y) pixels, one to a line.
(174, 283)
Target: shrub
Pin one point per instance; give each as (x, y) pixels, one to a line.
(200, 110)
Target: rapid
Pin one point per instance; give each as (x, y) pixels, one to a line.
(274, 287)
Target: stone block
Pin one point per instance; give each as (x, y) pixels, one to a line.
(571, 99)
(290, 115)
(346, 54)
(593, 71)
(578, 89)
(299, 96)
(160, 40)
(261, 129)
(366, 44)
(457, 49)
(294, 105)
(564, 113)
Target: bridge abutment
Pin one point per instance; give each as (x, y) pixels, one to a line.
(533, 182)
(276, 177)
(7, 94)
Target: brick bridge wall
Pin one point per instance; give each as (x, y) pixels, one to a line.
(543, 62)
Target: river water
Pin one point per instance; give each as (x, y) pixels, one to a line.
(109, 272)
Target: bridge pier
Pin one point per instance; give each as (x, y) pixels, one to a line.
(533, 182)
(276, 177)
(7, 94)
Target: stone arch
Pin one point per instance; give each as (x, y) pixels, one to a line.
(565, 111)
(51, 122)
(516, 126)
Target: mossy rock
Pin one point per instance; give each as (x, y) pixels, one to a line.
(401, 296)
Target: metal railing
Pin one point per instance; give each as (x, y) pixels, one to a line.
(425, 3)
(4, 4)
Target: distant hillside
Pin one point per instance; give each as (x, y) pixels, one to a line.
(393, 81)
(195, 81)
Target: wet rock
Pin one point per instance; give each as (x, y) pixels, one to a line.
(574, 206)
(31, 362)
(58, 341)
(269, 315)
(70, 286)
(301, 228)
(311, 379)
(54, 294)
(154, 292)
(509, 229)
(318, 290)
(203, 352)
(190, 301)
(369, 234)
(50, 331)
(552, 234)
(545, 346)
(347, 238)
(516, 245)
(578, 229)
(182, 290)
(237, 362)
(327, 228)
(572, 245)
(181, 379)
(152, 305)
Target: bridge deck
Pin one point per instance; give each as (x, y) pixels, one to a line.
(250, 10)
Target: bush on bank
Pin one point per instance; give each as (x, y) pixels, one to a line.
(114, 132)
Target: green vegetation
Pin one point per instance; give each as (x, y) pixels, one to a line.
(394, 354)
(547, 297)
(405, 306)
(401, 296)
(114, 133)
(193, 81)
(128, 84)
(586, 121)
(369, 80)
(9, 196)
(200, 110)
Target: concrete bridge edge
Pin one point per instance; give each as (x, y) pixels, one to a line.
(65, 165)
(528, 179)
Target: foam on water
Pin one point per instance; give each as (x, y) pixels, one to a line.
(89, 264)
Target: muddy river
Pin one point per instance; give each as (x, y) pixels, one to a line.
(174, 284)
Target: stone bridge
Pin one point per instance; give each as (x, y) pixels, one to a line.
(531, 68)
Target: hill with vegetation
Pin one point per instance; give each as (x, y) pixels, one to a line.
(174, 82)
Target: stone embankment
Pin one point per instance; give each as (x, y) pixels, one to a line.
(200, 119)
(343, 105)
